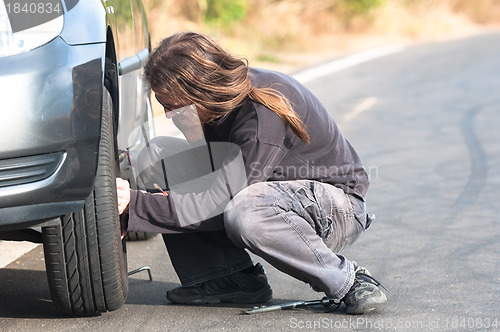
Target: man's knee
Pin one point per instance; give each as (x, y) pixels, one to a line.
(237, 227)
(243, 223)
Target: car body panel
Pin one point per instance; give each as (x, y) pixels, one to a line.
(91, 30)
(57, 107)
(59, 112)
(134, 40)
(51, 106)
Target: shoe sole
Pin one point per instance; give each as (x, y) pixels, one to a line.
(235, 297)
(366, 305)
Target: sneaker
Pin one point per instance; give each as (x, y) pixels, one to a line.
(364, 295)
(247, 286)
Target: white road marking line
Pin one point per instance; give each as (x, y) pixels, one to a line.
(346, 62)
(12, 250)
(363, 106)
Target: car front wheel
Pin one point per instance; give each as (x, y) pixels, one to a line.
(84, 255)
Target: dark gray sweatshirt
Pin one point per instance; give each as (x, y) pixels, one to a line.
(270, 151)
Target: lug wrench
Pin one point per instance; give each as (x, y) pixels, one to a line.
(292, 305)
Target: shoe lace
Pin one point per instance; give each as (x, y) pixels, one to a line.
(369, 278)
(327, 305)
(330, 305)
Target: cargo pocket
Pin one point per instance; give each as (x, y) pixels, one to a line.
(313, 210)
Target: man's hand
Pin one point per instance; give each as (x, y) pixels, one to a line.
(123, 194)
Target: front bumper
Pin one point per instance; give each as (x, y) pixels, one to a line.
(50, 124)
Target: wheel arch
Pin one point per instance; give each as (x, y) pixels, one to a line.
(110, 77)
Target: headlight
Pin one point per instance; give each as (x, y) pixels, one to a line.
(26, 33)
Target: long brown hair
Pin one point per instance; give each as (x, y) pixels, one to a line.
(192, 66)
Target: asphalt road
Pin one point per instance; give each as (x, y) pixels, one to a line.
(425, 122)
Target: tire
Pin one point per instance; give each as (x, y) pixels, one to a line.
(85, 257)
(139, 236)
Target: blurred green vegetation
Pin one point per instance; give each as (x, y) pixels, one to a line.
(272, 31)
(225, 12)
(359, 7)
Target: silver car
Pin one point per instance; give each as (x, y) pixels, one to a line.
(73, 109)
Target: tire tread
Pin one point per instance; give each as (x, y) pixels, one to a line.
(84, 256)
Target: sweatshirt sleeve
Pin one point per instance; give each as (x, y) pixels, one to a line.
(197, 204)
(154, 213)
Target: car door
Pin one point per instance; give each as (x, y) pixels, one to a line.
(132, 52)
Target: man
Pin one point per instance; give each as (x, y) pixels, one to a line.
(303, 195)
